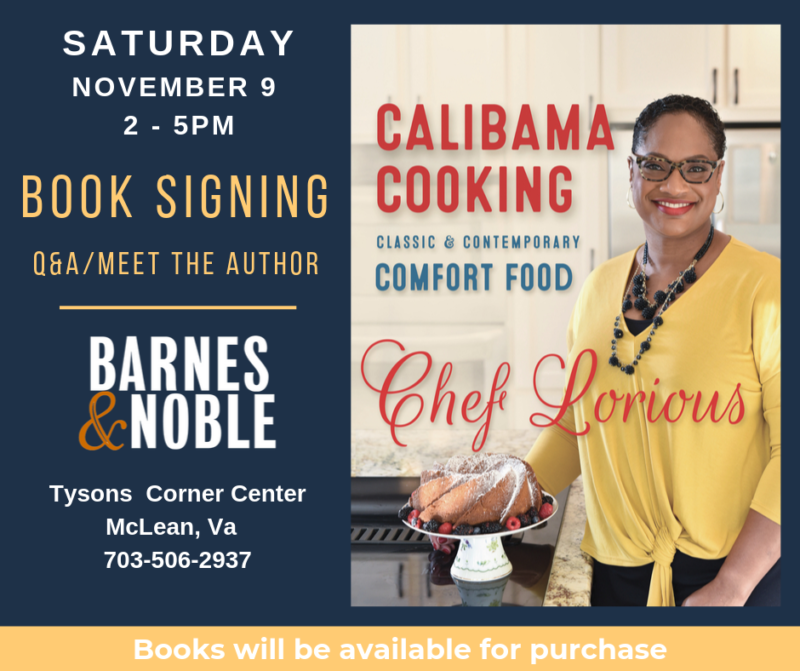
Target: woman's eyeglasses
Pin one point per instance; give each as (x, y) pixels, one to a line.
(656, 169)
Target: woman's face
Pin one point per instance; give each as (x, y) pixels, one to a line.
(675, 208)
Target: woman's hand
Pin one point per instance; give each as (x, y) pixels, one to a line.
(755, 551)
(446, 545)
(716, 593)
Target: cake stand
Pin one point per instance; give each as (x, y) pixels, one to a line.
(481, 558)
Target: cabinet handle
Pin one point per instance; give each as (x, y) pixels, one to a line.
(736, 86)
(400, 593)
(714, 80)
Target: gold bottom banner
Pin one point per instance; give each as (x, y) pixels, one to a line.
(684, 648)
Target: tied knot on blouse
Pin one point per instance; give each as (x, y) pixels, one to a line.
(663, 548)
(663, 552)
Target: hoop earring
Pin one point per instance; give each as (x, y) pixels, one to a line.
(723, 204)
(628, 198)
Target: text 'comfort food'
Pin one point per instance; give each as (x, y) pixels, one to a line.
(483, 493)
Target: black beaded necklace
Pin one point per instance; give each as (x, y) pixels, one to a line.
(638, 287)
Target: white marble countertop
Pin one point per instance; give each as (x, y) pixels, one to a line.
(373, 454)
(571, 575)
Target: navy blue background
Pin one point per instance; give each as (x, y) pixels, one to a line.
(52, 565)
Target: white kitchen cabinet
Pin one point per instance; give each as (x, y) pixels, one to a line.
(457, 66)
(737, 68)
(429, 65)
(554, 65)
(375, 77)
(754, 70)
(509, 66)
(640, 64)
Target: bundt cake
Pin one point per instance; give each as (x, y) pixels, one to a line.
(476, 489)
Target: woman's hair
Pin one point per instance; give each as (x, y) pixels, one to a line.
(700, 109)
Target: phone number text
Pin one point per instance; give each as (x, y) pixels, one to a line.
(177, 560)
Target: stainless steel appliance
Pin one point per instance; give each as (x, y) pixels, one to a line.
(391, 565)
(751, 183)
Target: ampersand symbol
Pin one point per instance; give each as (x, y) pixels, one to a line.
(449, 242)
(95, 422)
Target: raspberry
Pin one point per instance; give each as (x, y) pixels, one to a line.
(413, 514)
(463, 530)
(404, 512)
(513, 523)
(432, 526)
(416, 522)
(545, 511)
(446, 528)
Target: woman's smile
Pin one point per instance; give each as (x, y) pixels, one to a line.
(672, 207)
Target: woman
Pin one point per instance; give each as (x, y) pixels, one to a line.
(682, 492)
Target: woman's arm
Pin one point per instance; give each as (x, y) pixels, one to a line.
(554, 456)
(754, 553)
(758, 545)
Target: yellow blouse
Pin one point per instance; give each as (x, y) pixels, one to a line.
(654, 485)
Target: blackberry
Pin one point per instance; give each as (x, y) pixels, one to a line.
(491, 527)
(463, 530)
(404, 512)
(548, 499)
(432, 526)
(524, 520)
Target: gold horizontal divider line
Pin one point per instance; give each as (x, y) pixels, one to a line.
(177, 307)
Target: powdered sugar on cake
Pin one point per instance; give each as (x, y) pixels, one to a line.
(477, 488)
